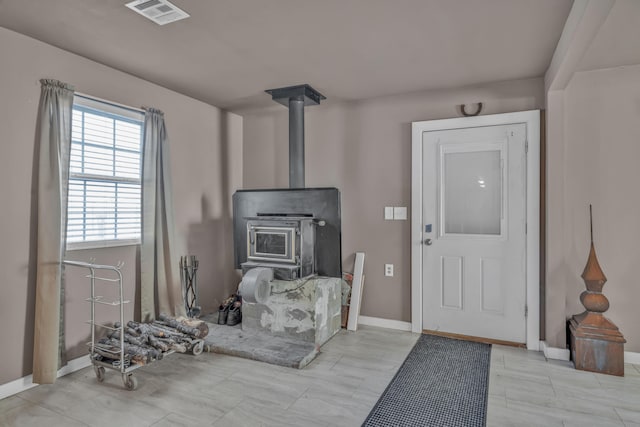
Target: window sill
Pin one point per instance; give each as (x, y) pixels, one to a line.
(100, 244)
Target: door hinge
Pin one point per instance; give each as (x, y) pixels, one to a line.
(526, 146)
(526, 310)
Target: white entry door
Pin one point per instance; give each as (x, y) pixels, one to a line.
(474, 231)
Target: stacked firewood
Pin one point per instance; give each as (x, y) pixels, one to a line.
(146, 342)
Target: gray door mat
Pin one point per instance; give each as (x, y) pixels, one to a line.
(232, 340)
(442, 382)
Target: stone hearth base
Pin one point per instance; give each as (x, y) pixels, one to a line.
(289, 329)
(232, 340)
(303, 310)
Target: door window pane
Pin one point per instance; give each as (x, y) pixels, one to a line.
(472, 188)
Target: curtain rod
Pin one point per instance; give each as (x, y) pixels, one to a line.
(115, 104)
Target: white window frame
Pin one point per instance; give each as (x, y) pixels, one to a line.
(126, 112)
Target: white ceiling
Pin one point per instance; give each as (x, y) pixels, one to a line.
(618, 40)
(230, 51)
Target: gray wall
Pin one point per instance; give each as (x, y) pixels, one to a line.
(599, 167)
(206, 150)
(364, 149)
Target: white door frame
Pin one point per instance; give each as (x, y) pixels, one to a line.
(532, 121)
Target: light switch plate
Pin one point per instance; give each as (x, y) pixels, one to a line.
(388, 212)
(400, 213)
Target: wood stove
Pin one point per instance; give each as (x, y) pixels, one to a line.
(295, 231)
(290, 234)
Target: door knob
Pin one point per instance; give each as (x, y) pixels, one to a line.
(428, 242)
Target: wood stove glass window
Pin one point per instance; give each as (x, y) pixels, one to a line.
(270, 243)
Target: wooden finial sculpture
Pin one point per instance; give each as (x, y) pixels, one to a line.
(596, 343)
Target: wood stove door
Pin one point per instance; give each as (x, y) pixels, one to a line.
(474, 253)
(276, 244)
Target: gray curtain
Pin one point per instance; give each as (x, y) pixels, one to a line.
(160, 288)
(52, 147)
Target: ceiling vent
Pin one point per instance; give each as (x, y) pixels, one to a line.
(159, 11)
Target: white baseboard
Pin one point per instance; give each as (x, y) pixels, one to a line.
(565, 354)
(631, 357)
(16, 386)
(384, 323)
(554, 352)
(74, 365)
(25, 383)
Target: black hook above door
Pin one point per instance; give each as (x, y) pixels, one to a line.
(464, 111)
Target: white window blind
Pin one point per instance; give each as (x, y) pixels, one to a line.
(104, 176)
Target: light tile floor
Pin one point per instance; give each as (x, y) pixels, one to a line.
(528, 390)
(338, 389)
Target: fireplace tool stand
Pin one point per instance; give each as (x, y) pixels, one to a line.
(188, 271)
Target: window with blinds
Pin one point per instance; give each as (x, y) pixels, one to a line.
(104, 175)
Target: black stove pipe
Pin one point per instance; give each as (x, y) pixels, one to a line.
(296, 143)
(296, 98)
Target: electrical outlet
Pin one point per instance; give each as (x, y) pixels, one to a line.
(388, 270)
